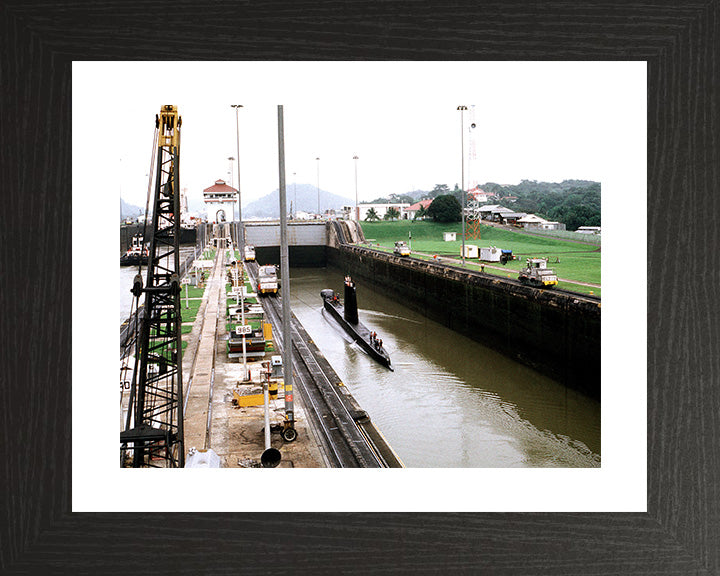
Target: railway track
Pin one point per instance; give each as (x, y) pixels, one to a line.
(346, 433)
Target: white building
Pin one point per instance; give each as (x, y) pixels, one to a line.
(588, 230)
(530, 221)
(487, 210)
(479, 195)
(380, 210)
(220, 200)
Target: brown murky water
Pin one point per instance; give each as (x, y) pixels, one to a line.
(451, 402)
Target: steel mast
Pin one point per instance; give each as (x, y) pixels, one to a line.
(153, 435)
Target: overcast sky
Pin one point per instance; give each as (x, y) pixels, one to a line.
(536, 120)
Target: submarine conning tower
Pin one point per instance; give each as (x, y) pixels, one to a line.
(350, 302)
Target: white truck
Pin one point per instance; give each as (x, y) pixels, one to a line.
(494, 254)
(249, 253)
(267, 280)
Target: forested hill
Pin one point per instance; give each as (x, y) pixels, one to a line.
(573, 202)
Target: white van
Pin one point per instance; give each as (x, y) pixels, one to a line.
(249, 253)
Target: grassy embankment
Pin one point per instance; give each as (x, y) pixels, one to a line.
(572, 261)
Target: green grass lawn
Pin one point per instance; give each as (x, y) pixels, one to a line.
(571, 260)
(232, 300)
(190, 313)
(192, 291)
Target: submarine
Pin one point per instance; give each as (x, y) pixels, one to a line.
(347, 316)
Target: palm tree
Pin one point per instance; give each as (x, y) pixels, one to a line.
(371, 215)
(421, 213)
(392, 214)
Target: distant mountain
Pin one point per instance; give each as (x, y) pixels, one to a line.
(307, 201)
(129, 210)
(417, 194)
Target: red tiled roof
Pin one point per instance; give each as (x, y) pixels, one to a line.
(220, 186)
(416, 206)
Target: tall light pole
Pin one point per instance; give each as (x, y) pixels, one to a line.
(462, 177)
(357, 211)
(295, 193)
(232, 184)
(240, 240)
(285, 285)
(318, 184)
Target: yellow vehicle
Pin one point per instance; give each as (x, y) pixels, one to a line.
(267, 280)
(401, 249)
(536, 273)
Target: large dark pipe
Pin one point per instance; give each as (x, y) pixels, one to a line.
(351, 313)
(270, 458)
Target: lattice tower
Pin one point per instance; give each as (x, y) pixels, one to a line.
(153, 432)
(472, 219)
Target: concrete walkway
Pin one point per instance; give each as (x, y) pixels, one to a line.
(196, 413)
(236, 433)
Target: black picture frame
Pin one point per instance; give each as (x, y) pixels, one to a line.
(680, 533)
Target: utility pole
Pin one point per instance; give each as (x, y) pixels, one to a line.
(462, 177)
(289, 429)
(357, 210)
(240, 239)
(318, 184)
(231, 159)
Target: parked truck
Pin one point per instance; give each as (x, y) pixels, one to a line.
(536, 273)
(494, 254)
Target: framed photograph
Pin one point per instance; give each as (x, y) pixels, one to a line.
(675, 532)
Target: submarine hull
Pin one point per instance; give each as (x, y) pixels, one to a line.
(357, 331)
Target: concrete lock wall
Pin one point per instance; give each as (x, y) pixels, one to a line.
(299, 256)
(555, 333)
(267, 234)
(307, 242)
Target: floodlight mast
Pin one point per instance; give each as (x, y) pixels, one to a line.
(462, 177)
(240, 239)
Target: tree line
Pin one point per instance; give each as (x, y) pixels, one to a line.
(575, 203)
